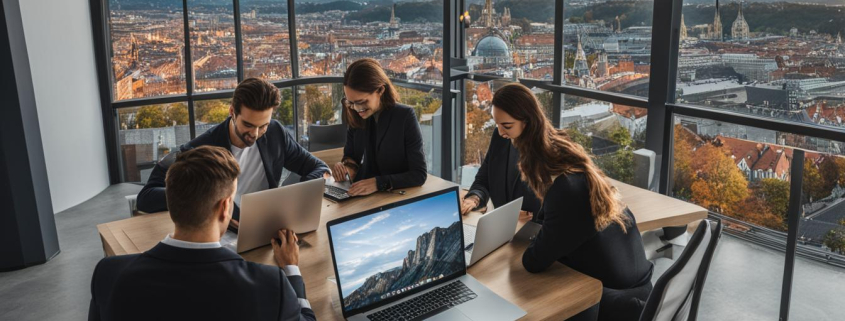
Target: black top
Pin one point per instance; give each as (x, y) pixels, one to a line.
(171, 283)
(277, 147)
(498, 178)
(393, 153)
(569, 236)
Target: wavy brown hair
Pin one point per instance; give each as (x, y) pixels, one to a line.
(546, 152)
(366, 75)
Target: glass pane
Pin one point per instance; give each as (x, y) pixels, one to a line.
(210, 113)
(427, 105)
(212, 26)
(317, 104)
(609, 132)
(511, 38)
(819, 279)
(406, 38)
(607, 45)
(148, 133)
(266, 39)
(147, 49)
(782, 62)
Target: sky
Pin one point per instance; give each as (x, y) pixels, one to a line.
(380, 241)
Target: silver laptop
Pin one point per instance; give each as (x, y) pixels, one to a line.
(295, 207)
(405, 261)
(492, 231)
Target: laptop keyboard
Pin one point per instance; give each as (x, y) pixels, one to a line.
(428, 304)
(469, 235)
(336, 192)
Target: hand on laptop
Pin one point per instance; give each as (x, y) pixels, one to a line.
(341, 171)
(469, 203)
(525, 216)
(285, 249)
(363, 187)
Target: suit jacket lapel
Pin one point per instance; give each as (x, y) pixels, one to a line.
(383, 124)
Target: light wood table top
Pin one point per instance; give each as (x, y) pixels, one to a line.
(557, 293)
(654, 210)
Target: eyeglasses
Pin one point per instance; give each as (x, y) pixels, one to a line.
(349, 104)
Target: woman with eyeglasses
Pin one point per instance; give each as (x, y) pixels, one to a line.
(584, 223)
(384, 146)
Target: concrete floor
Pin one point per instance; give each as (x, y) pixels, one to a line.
(61, 288)
(743, 284)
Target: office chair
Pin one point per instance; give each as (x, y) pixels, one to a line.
(677, 292)
(322, 137)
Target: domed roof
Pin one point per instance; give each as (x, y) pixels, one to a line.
(491, 46)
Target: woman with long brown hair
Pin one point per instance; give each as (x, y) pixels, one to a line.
(584, 225)
(384, 146)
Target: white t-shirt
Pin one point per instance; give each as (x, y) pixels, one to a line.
(252, 178)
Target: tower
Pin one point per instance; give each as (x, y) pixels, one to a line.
(618, 25)
(684, 35)
(739, 29)
(716, 32)
(580, 67)
(487, 15)
(506, 17)
(602, 69)
(839, 38)
(394, 25)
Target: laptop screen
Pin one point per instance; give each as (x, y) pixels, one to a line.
(384, 254)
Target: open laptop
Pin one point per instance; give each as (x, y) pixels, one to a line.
(405, 261)
(492, 231)
(295, 207)
(337, 191)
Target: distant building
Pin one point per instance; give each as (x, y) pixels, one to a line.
(580, 67)
(716, 28)
(739, 30)
(751, 66)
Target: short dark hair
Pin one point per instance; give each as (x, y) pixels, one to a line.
(196, 181)
(255, 94)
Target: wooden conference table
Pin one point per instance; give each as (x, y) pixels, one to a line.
(557, 293)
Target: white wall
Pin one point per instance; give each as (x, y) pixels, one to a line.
(61, 56)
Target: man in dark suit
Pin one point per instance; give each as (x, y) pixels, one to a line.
(261, 146)
(189, 276)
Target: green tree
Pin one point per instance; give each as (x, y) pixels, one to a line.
(775, 193)
(150, 117)
(212, 111)
(284, 114)
(621, 136)
(319, 106)
(835, 240)
(618, 165)
(176, 114)
(577, 136)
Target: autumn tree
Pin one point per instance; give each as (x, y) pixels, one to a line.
(212, 111)
(718, 185)
(682, 174)
(830, 173)
(813, 186)
(756, 211)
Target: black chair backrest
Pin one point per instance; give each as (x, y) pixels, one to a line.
(677, 292)
(322, 137)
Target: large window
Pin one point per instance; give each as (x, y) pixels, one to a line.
(147, 49)
(212, 30)
(607, 45)
(318, 105)
(266, 42)
(512, 39)
(780, 61)
(406, 37)
(149, 133)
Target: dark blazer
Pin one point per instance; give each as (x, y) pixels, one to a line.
(171, 283)
(614, 257)
(499, 179)
(278, 150)
(398, 153)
